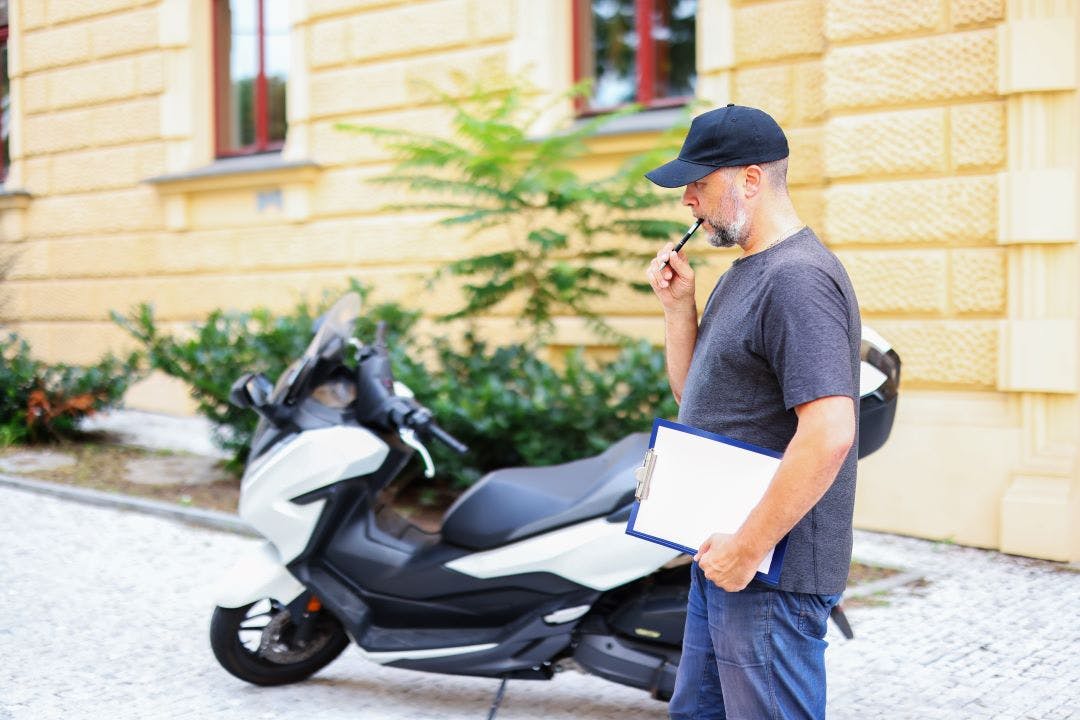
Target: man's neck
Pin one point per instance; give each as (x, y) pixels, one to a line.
(772, 230)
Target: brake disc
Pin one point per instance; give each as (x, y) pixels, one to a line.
(276, 645)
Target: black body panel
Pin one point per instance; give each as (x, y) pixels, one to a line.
(516, 503)
(656, 615)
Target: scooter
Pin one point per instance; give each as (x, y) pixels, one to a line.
(530, 573)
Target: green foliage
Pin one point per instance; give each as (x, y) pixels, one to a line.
(561, 231)
(506, 403)
(228, 344)
(512, 408)
(41, 402)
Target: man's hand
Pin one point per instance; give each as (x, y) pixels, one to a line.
(674, 285)
(725, 563)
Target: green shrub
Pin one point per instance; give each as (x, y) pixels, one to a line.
(512, 408)
(41, 402)
(228, 344)
(507, 404)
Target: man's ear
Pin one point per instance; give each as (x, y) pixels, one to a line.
(753, 180)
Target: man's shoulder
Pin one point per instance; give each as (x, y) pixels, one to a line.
(805, 260)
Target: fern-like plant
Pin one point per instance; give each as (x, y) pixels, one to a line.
(492, 169)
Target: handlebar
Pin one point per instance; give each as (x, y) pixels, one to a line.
(378, 404)
(421, 420)
(447, 439)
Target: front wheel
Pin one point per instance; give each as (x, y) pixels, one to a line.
(260, 643)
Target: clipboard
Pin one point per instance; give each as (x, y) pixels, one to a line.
(694, 483)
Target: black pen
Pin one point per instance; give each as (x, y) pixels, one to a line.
(678, 245)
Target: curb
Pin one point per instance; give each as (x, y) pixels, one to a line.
(228, 522)
(883, 585)
(212, 519)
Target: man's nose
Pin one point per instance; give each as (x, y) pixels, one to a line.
(689, 198)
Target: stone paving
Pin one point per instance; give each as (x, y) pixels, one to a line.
(105, 615)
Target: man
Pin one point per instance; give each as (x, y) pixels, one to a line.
(774, 362)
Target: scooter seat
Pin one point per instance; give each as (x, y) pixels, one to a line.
(515, 503)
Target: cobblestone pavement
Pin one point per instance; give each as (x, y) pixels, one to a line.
(105, 614)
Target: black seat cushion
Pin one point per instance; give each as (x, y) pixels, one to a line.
(512, 504)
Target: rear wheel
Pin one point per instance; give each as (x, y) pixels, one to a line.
(260, 643)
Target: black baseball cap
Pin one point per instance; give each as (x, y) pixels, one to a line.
(731, 136)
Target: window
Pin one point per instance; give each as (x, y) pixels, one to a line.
(251, 64)
(5, 93)
(636, 51)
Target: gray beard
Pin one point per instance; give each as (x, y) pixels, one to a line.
(731, 234)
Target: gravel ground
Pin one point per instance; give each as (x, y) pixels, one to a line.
(106, 615)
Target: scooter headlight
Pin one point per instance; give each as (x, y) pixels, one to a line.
(337, 393)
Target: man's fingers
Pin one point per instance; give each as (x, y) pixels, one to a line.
(704, 548)
(680, 264)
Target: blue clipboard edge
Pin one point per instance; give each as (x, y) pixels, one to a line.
(661, 422)
(770, 578)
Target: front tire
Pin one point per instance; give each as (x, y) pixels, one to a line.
(257, 643)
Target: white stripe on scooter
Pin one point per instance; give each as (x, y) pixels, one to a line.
(388, 657)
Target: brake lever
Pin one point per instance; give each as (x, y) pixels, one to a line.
(408, 436)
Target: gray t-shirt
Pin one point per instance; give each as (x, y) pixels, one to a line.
(782, 328)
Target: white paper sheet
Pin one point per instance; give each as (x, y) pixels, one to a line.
(701, 486)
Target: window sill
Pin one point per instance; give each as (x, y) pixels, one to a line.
(280, 189)
(646, 121)
(14, 199)
(248, 171)
(13, 204)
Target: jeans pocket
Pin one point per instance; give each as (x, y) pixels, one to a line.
(739, 624)
(814, 613)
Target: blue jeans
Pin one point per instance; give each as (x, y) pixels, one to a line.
(751, 655)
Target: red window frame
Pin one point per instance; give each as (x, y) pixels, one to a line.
(262, 142)
(646, 71)
(3, 44)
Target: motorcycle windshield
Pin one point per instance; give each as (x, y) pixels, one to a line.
(336, 323)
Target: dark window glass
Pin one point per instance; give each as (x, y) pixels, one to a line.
(251, 68)
(636, 51)
(5, 96)
(674, 48)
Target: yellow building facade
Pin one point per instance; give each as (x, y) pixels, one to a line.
(935, 148)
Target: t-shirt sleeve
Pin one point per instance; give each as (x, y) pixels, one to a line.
(806, 335)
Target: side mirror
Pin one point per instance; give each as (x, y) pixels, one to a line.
(251, 391)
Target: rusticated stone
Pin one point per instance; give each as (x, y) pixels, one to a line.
(899, 281)
(959, 65)
(809, 203)
(886, 143)
(409, 29)
(944, 353)
(808, 91)
(768, 88)
(962, 209)
(977, 280)
(971, 12)
(978, 135)
(807, 162)
(778, 29)
(863, 19)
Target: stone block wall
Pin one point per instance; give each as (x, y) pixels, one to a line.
(934, 149)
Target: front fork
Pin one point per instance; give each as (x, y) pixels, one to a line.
(304, 611)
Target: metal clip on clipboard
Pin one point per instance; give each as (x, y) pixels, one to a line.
(644, 474)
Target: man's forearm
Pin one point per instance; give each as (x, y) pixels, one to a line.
(807, 470)
(680, 334)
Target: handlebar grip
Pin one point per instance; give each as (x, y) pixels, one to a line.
(447, 439)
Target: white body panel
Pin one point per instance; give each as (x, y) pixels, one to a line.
(311, 460)
(597, 554)
(388, 657)
(258, 575)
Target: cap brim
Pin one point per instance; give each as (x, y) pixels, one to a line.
(678, 173)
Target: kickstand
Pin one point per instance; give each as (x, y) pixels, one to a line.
(838, 617)
(498, 700)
